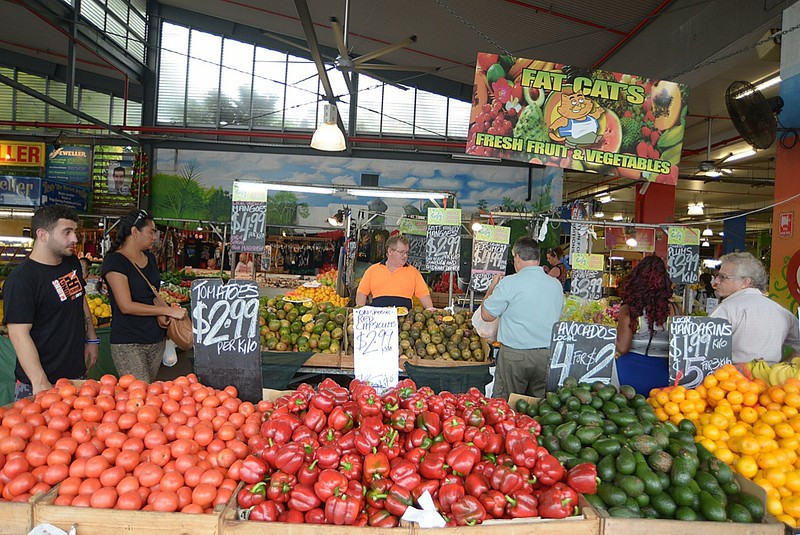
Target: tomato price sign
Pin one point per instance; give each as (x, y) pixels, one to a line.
(226, 338)
(697, 347)
(584, 351)
(375, 346)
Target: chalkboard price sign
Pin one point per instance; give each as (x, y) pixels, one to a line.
(584, 351)
(444, 239)
(587, 275)
(375, 346)
(489, 255)
(683, 254)
(226, 335)
(248, 217)
(417, 251)
(697, 347)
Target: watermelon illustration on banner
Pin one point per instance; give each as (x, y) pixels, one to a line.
(444, 239)
(489, 255)
(576, 118)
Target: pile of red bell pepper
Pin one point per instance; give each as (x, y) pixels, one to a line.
(349, 456)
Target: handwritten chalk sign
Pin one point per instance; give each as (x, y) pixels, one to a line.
(489, 255)
(443, 248)
(375, 346)
(584, 351)
(248, 217)
(587, 275)
(683, 254)
(416, 231)
(226, 335)
(697, 347)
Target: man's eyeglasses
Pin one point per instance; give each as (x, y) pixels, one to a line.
(401, 253)
(723, 278)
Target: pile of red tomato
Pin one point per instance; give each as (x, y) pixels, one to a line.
(349, 456)
(125, 444)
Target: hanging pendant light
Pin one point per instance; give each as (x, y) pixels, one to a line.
(328, 136)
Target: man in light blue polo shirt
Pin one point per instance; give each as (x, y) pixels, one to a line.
(528, 303)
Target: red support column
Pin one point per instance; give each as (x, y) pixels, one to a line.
(656, 206)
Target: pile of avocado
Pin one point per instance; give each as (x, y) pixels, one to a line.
(647, 469)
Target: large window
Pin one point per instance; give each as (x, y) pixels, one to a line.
(208, 80)
(123, 21)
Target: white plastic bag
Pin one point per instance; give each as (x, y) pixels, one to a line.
(485, 329)
(170, 357)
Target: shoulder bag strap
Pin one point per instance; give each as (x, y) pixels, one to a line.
(155, 292)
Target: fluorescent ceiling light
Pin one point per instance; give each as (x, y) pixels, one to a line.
(328, 136)
(604, 197)
(394, 194)
(695, 208)
(740, 155)
(769, 82)
(708, 232)
(617, 218)
(599, 214)
(616, 258)
(706, 244)
(300, 189)
(714, 173)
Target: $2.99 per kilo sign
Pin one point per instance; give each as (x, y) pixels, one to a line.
(375, 347)
(226, 337)
(248, 217)
(584, 351)
(697, 347)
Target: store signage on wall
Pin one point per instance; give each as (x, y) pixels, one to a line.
(13, 153)
(683, 254)
(69, 163)
(20, 190)
(786, 224)
(595, 121)
(617, 237)
(489, 255)
(64, 195)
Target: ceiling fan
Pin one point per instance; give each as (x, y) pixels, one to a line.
(713, 168)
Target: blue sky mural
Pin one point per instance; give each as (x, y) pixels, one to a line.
(213, 173)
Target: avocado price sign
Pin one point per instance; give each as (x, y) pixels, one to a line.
(560, 115)
(683, 254)
(489, 255)
(697, 347)
(584, 351)
(443, 248)
(587, 275)
(226, 335)
(248, 217)
(376, 350)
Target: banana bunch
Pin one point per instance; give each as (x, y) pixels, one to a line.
(781, 371)
(759, 369)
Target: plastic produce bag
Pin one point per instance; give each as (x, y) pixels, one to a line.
(485, 329)
(170, 357)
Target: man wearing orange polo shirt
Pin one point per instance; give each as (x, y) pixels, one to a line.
(394, 281)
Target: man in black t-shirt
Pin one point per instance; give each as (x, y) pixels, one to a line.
(45, 306)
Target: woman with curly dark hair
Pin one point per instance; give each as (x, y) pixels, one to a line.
(642, 337)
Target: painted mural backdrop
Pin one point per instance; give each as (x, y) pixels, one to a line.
(191, 184)
(566, 116)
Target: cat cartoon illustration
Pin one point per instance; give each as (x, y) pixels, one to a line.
(576, 121)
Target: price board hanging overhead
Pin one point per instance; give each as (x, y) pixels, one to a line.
(489, 255)
(584, 351)
(376, 351)
(226, 335)
(416, 231)
(587, 275)
(697, 347)
(683, 254)
(444, 239)
(248, 217)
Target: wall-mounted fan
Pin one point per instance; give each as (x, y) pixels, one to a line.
(752, 114)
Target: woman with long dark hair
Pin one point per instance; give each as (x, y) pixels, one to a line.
(642, 337)
(131, 272)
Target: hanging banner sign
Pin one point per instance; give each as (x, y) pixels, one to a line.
(248, 217)
(617, 237)
(564, 116)
(697, 347)
(375, 346)
(489, 255)
(416, 231)
(683, 254)
(71, 164)
(584, 351)
(443, 249)
(580, 237)
(64, 195)
(21, 154)
(20, 190)
(226, 336)
(587, 275)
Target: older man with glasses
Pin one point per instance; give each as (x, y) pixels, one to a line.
(761, 327)
(394, 281)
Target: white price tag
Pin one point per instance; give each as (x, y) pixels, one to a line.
(375, 346)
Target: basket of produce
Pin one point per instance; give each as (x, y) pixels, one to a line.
(100, 308)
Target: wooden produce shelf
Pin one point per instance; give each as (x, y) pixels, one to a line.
(231, 525)
(17, 517)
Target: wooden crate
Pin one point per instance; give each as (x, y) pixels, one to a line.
(650, 526)
(440, 299)
(90, 521)
(16, 517)
(324, 360)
